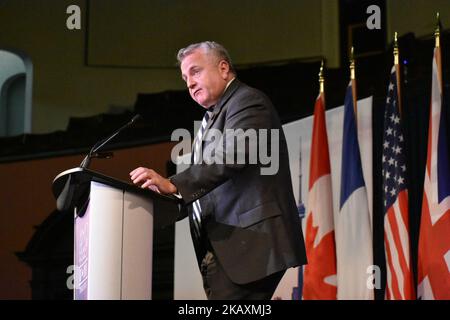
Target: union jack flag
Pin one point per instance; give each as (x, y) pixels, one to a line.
(399, 284)
(434, 238)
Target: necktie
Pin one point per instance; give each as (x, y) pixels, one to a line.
(196, 157)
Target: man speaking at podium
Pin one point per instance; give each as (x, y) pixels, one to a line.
(244, 220)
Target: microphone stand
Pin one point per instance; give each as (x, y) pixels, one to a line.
(93, 152)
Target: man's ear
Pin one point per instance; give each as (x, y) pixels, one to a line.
(224, 68)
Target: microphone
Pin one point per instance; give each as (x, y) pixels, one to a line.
(93, 152)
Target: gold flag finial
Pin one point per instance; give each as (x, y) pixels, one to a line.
(437, 32)
(353, 79)
(397, 71)
(395, 49)
(352, 64)
(321, 78)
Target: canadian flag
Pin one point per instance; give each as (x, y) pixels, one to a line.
(320, 272)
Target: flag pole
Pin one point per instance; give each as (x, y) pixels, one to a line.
(353, 80)
(437, 32)
(437, 36)
(322, 83)
(397, 72)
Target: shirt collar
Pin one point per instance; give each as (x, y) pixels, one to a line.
(228, 84)
(211, 109)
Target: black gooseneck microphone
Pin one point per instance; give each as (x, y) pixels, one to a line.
(93, 152)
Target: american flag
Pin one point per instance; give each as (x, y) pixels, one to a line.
(399, 284)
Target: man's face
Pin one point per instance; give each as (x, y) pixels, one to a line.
(205, 77)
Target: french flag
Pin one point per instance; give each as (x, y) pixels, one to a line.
(354, 239)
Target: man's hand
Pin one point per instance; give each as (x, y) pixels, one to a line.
(150, 179)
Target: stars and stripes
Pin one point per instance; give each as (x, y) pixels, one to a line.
(399, 284)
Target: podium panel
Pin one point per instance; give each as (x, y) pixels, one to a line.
(113, 246)
(137, 256)
(113, 233)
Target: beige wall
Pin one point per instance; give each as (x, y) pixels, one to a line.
(418, 16)
(63, 85)
(254, 32)
(148, 32)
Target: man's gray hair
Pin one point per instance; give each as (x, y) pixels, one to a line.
(210, 47)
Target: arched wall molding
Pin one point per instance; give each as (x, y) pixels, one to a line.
(28, 99)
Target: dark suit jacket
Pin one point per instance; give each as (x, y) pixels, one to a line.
(251, 219)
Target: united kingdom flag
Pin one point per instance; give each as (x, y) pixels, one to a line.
(434, 239)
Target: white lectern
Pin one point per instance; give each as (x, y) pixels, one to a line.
(113, 230)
